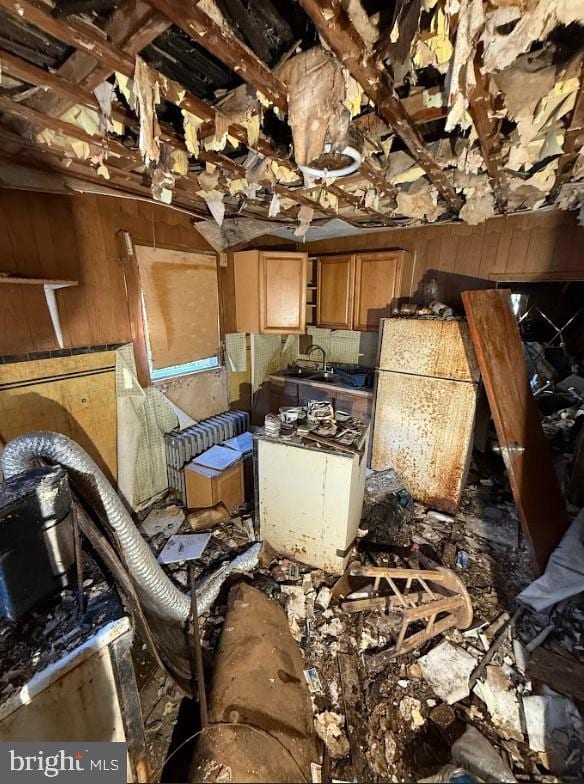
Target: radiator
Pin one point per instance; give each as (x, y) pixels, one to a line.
(182, 447)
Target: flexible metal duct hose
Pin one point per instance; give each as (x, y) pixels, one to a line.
(157, 592)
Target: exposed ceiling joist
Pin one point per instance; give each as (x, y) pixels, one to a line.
(222, 42)
(72, 32)
(132, 26)
(72, 93)
(487, 128)
(334, 26)
(68, 129)
(573, 140)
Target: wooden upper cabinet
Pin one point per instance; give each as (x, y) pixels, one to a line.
(378, 282)
(335, 291)
(356, 291)
(270, 291)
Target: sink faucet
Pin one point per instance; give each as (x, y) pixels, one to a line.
(313, 347)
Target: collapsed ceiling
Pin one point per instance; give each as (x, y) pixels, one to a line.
(441, 109)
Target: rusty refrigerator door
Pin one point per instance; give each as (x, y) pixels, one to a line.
(425, 405)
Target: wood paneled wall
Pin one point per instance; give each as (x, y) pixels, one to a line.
(75, 237)
(545, 245)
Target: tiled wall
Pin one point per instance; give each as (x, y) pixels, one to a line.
(344, 345)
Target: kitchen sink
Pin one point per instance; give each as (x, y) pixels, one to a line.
(301, 372)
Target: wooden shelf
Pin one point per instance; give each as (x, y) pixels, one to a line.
(50, 285)
(13, 279)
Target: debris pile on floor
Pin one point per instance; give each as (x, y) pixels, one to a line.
(498, 697)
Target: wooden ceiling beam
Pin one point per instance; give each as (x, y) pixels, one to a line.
(132, 26)
(573, 141)
(487, 128)
(72, 93)
(415, 105)
(223, 44)
(334, 26)
(68, 129)
(72, 32)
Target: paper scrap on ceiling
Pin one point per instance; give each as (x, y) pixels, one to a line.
(421, 201)
(148, 95)
(480, 202)
(240, 107)
(283, 173)
(126, 87)
(316, 103)
(501, 48)
(191, 125)
(364, 24)
(214, 201)
(305, 216)
(274, 206)
(163, 179)
(104, 93)
(461, 74)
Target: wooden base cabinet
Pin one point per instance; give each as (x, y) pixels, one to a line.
(356, 291)
(270, 292)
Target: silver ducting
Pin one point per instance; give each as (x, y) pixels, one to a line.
(159, 595)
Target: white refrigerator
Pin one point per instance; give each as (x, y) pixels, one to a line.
(426, 392)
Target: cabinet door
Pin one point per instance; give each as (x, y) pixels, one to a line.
(335, 289)
(377, 283)
(283, 292)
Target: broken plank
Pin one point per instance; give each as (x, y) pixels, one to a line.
(354, 711)
(563, 674)
(525, 450)
(336, 29)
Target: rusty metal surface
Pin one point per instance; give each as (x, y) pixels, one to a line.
(429, 347)
(423, 429)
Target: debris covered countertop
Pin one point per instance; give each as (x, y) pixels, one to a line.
(318, 427)
(47, 635)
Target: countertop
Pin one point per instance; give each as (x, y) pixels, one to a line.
(333, 387)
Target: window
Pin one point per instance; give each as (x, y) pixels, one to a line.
(180, 311)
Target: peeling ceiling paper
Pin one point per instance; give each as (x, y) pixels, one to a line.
(237, 186)
(283, 173)
(191, 125)
(461, 75)
(148, 94)
(316, 103)
(305, 216)
(126, 87)
(420, 202)
(480, 202)
(214, 201)
(535, 24)
(274, 206)
(71, 146)
(105, 94)
(180, 162)
(240, 107)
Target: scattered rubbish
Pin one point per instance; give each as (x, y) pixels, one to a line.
(330, 727)
(442, 715)
(447, 670)
(521, 656)
(501, 700)
(409, 707)
(323, 598)
(474, 752)
(540, 638)
(183, 547)
(555, 728)
(208, 518)
(423, 604)
(313, 681)
(462, 559)
(165, 521)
